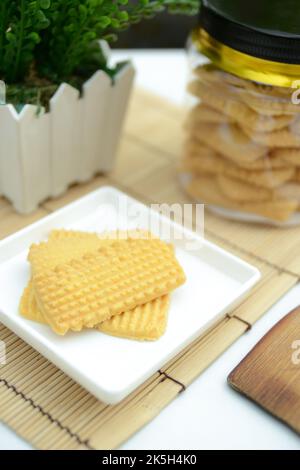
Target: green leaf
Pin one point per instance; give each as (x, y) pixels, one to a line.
(45, 4)
(34, 37)
(11, 38)
(123, 15)
(82, 10)
(115, 23)
(89, 36)
(103, 22)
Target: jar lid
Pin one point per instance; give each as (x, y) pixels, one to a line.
(262, 28)
(259, 40)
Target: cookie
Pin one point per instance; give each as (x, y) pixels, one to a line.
(296, 176)
(289, 190)
(245, 192)
(47, 255)
(213, 96)
(265, 179)
(207, 114)
(289, 155)
(195, 148)
(206, 189)
(241, 191)
(109, 281)
(63, 234)
(65, 245)
(269, 105)
(199, 156)
(28, 305)
(203, 162)
(228, 140)
(231, 105)
(145, 322)
(284, 138)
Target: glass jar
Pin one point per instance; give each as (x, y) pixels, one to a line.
(242, 133)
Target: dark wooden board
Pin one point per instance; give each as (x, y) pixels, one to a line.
(270, 373)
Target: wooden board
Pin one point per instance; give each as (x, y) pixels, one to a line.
(45, 406)
(270, 373)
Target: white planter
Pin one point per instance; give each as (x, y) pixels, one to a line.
(41, 154)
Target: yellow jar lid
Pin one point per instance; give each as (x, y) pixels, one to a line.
(246, 66)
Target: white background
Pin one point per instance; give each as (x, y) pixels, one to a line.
(209, 414)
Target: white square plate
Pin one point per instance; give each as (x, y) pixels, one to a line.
(110, 368)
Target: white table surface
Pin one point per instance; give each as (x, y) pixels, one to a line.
(209, 414)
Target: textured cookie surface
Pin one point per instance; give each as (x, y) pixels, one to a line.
(63, 234)
(107, 282)
(48, 255)
(145, 322)
(65, 245)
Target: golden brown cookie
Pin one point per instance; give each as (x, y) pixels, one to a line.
(207, 114)
(228, 140)
(265, 179)
(206, 189)
(270, 105)
(296, 176)
(290, 155)
(206, 163)
(284, 138)
(195, 147)
(106, 282)
(290, 190)
(241, 191)
(232, 105)
(145, 322)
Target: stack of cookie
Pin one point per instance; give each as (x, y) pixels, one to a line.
(118, 283)
(242, 150)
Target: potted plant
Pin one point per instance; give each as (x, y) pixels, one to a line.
(65, 103)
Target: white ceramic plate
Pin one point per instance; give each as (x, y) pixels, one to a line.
(110, 368)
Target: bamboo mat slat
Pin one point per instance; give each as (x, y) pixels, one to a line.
(49, 409)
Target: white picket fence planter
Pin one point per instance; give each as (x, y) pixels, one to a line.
(42, 153)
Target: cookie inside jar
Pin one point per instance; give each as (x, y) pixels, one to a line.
(241, 154)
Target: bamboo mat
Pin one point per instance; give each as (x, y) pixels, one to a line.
(49, 409)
